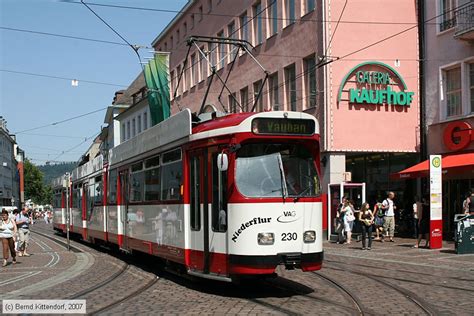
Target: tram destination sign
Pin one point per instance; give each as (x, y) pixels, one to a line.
(283, 126)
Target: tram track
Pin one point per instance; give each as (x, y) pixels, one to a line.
(427, 308)
(348, 293)
(406, 280)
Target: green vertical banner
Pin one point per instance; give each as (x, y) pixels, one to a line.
(157, 81)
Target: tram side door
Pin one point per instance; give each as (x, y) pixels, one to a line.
(199, 216)
(124, 182)
(208, 218)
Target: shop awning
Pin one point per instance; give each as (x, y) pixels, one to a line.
(451, 165)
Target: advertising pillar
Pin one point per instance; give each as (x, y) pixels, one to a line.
(436, 213)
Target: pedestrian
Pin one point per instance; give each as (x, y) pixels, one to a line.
(389, 220)
(16, 238)
(379, 215)
(423, 223)
(7, 232)
(349, 218)
(466, 202)
(416, 207)
(23, 224)
(367, 218)
(339, 222)
(470, 204)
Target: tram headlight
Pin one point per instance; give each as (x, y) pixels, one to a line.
(266, 238)
(309, 236)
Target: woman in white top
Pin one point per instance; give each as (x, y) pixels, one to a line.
(349, 218)
(7, 231)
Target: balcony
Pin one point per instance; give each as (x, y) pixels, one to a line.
(464, 21)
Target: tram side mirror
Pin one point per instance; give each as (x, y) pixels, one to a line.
(222, 162)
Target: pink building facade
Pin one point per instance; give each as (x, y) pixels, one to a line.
(342, 62)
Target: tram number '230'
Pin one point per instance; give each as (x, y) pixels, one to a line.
(289, 236)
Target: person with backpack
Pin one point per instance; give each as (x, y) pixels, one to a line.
(379, 219)
(349, 219)
(389, 222)
(340, 222)
(367, 219)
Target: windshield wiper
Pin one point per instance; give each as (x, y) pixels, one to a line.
(296, 198)
(282, 178)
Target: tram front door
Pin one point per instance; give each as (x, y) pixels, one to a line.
(352, 191)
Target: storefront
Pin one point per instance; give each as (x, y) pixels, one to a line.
(375, 131)
(454, 140)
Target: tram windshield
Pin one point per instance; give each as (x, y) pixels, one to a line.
(276, 170)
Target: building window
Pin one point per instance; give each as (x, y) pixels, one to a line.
(244, 99)
(192, 21)
(448, 18)
(145, 120)
(185, 76)
(172, 84)
(256, 89)
(123, 132)
(128, 130)
(200, 13)
(193, 70)
(257, 23)
(244, 28)
(202, 67)
(133, 128)
(177, 37)
(221, 50)
(453, 92)
(310, 81)
(139, 124)
(310, 5)
(233, 103)
(185, 28)
(290, 79)
(209, 5)
(212, 55)
(290, 15)
(171, 42)
(273, 87)
(273, 19)
(471, 85)
(231, 32)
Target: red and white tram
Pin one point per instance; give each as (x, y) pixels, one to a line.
(234, 195)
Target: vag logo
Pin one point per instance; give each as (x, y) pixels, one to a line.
(287, 217)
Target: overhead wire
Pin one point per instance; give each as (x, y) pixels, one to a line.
(61, 36)
(76, 146)
(135, 48)
(60, 122)
(62, 78)
(302, 19)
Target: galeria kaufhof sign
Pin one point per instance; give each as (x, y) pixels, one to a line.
(374, 83)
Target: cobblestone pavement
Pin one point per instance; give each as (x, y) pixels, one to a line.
(392, 278)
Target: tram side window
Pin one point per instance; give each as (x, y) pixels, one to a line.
(152, 179)
(195, 195)
(136, 182)
(76, 196)
(98, 190)
(112, 187)
(172, 174)
(219, 197)
(89, 191)
(57, 199)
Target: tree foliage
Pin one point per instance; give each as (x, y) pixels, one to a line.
(35, 189)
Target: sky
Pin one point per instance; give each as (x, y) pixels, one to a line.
(28, 101)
